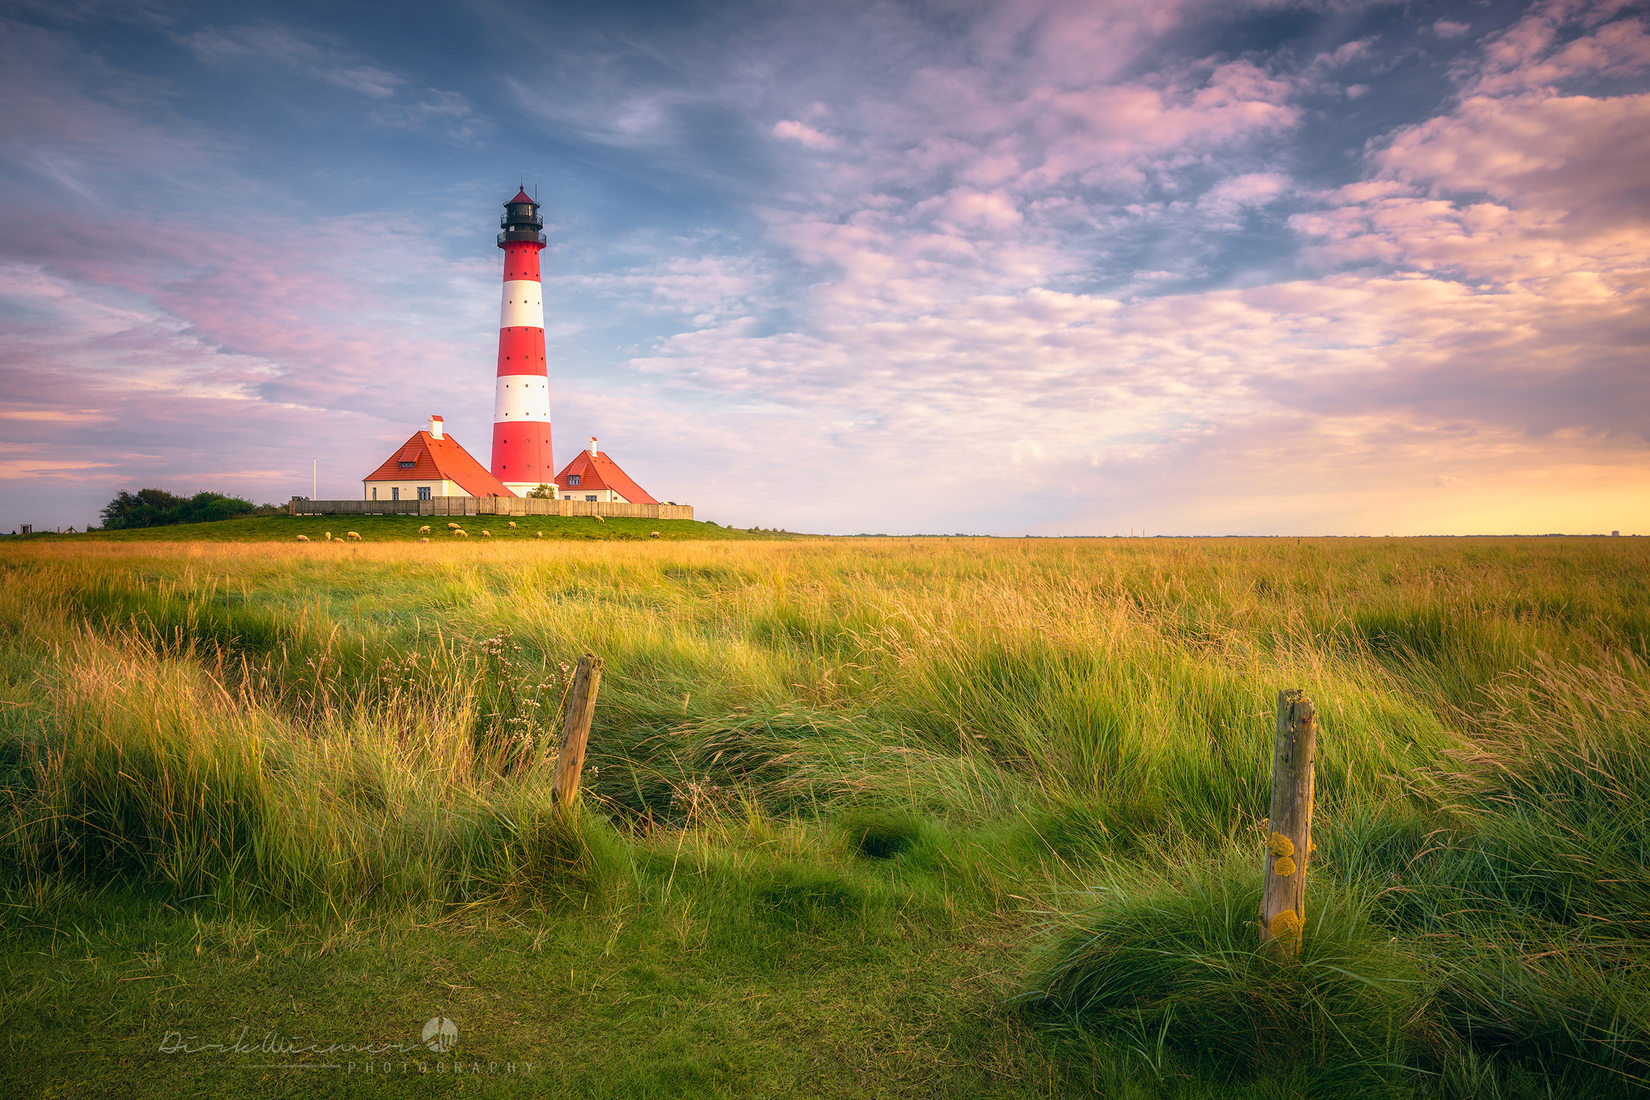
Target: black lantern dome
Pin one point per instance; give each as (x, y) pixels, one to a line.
(521, 221)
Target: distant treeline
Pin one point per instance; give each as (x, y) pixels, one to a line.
(158, 508)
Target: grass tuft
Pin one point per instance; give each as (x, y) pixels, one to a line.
(1176, 960)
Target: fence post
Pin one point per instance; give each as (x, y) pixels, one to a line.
(575, 729)
(1289, 840)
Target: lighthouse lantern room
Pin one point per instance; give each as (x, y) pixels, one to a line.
(521, 405)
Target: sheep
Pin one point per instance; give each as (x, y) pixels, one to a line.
(303, 538)
(424, 530)
(598, 519)
(486, 534)
(452, 526)
(654, 535)
(538, 534)
(512, 525)
(329, 536)
(423, 540)
(461, 533)
(352, 536)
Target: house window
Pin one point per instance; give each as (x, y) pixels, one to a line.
(406, 465)
(375, 492)
(572, 479)
(592, 497)
(395, 492)
(423, 492)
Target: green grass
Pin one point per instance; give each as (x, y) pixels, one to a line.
(863, 817)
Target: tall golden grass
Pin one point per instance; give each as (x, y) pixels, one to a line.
(367, 725)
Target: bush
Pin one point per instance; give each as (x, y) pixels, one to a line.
(158, 508)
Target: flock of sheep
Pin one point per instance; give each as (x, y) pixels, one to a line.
(453, 529)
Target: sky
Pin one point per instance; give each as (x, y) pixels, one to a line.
(1040, 267)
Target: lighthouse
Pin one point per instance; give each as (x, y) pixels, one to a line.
(521, 404)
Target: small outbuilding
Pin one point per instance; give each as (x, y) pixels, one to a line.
(431, 464)
(594, 476)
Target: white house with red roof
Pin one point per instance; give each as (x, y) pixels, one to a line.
(595, 477)
(431, 464)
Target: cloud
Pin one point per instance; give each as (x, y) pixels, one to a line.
(397, 100)
(38, 468)
(803, 134)
(705, 287)
(447, 113)
(964, 206)
(287, 47)
(1558, 42)
(1227, 201)
(1527, 187)
(55, 416)
(1568, 153)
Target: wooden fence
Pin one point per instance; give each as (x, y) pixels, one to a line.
(486, 506)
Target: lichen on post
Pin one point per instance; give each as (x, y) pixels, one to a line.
(1289, 848)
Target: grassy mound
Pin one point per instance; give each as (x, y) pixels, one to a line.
(1170, 969)
(406, 529)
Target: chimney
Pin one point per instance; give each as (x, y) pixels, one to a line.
(435, 426)
(592, 445)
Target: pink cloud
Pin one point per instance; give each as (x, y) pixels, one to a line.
(1525, 187)
(1570, 151)
(1227, 200)
(803, 134)
(985, 210)
(1533, 54)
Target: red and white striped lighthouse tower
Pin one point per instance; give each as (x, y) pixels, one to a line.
(521, 407)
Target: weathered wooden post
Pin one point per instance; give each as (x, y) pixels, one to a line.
(1289, 843)
(575, 727)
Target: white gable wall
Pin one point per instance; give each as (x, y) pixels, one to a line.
(439, 487)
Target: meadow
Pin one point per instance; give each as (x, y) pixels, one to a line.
(862, 817)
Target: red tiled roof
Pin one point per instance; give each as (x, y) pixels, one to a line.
(437, 459)
(597, 472)
(522, 196)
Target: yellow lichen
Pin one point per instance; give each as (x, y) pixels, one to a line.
(1286, 929)
(1284, 866)
(1280, 845)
